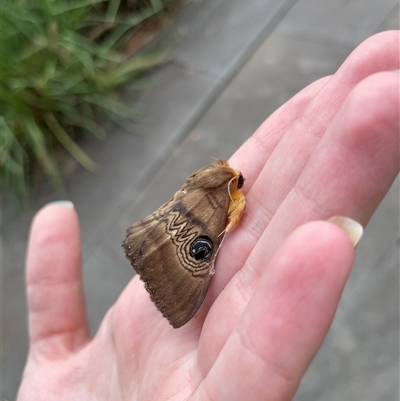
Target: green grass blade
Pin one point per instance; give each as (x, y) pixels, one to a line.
(59, 132)
(35, 137)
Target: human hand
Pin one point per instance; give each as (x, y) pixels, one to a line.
(331, 150)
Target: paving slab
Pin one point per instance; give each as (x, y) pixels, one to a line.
(337, 21)
(238, 22)
(130, 158)
(391, 22)
(104, 280)
(377, 240)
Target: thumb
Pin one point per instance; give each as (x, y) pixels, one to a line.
(56, 307)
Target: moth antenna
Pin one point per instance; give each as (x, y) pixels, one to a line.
(212, 269)
(229, 187)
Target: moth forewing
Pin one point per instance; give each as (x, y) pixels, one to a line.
(175, 248)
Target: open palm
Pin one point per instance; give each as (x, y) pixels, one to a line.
(331, 150)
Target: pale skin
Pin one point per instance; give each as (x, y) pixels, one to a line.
(333, 149)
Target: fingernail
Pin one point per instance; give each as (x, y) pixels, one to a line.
(65, 203)
(353, 228)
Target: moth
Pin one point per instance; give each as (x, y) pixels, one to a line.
(174, 249)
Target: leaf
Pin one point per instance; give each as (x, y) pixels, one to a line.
(55, 76)
(59, 132)
(37, 141)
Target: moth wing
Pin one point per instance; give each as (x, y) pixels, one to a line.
(159, 249)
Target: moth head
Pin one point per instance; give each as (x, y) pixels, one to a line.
(214, 176)
(240, 180)
(235, 183)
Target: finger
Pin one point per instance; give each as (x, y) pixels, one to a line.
(286, 319)
(348, 174)
(377, 54)
(254, 153)
(352, 167)
(284, 166)
(282, 163)
(282, 169)
(57, 315)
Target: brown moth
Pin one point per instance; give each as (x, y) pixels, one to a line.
(174, 249)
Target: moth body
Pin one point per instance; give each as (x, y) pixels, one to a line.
(174, 249)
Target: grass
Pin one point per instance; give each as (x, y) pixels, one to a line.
(60, 63)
